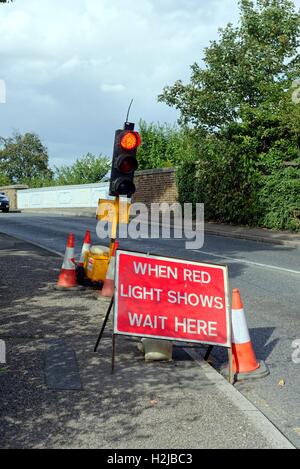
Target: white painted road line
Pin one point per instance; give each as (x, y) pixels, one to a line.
(245, 261)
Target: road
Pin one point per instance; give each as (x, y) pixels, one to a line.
(268, 277)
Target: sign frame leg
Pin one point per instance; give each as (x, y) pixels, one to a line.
(230, 365)
(104, 324)
(208, 352)
(113, 356)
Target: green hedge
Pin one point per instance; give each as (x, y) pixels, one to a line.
(239, 175)
(236, 187)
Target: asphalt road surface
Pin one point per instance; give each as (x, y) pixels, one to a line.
(268, 277)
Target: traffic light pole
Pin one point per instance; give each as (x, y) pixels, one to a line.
(124, 163)
(115, 223)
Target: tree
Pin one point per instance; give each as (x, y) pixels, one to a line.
(88, 169)
(246, 124)
(4, 180)
(23, 157)
(251, 64)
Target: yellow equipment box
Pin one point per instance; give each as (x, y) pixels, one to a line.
(96, 263)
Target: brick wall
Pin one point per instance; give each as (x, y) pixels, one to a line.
(155, 185)
(11, 192)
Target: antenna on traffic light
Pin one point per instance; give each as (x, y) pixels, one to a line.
(128, 111)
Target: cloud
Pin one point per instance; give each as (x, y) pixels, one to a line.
(109, 88)
(71, 68)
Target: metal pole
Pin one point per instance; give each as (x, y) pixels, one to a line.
(115, 223)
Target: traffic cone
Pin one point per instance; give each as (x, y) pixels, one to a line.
(80, 266)
(244, 362)
(85, 247)
(67, 276)
(108, 287)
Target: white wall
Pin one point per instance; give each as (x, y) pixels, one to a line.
(85, 195)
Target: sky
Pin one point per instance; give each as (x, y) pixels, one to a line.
(71, 67)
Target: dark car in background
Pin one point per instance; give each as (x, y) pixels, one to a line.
(4, 202)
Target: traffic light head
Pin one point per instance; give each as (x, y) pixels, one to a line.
(124, 161)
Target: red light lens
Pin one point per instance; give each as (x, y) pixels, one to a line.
(130, 140)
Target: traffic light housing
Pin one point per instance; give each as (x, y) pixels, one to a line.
(124, 162)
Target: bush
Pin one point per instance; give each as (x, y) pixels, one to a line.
(86, 170)
(161, 146)
(215, 175)
(238, 174)
(280, 197)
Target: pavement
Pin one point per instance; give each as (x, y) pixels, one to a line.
(180, 404)
(263, 235)
(268, 278)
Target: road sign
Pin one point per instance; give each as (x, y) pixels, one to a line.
(173, 299)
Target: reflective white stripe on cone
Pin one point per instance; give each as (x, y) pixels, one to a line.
(240, 332)
(108, 287)
(85, 247)
(67, 277)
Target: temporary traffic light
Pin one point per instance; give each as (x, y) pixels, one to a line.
(124, 161)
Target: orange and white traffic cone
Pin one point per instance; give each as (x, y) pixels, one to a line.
(85, 247)
(80, 266)
(244, 362)
(108, 287)
(67, 276)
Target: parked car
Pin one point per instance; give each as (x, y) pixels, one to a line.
(4, 202)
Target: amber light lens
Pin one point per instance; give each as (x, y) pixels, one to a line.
(128, 165)
(130, 141)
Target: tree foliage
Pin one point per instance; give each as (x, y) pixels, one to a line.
(23, 157)
(250, 65)
(88, 169)
(162, 145)
(244, 120)
(4, 180)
